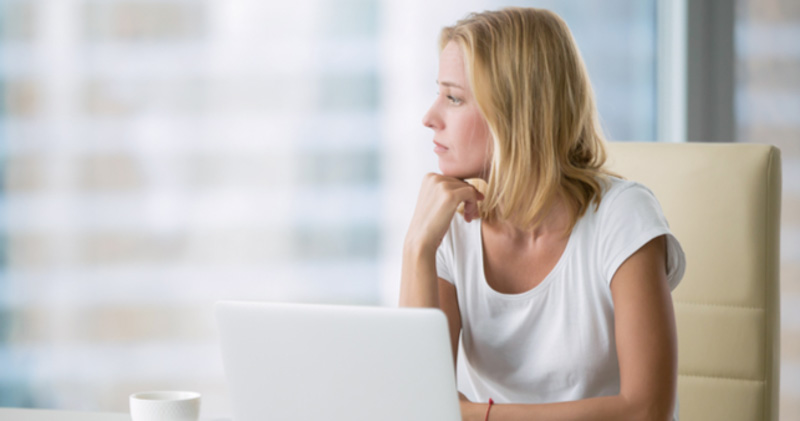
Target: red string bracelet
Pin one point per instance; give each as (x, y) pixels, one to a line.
(489, 408)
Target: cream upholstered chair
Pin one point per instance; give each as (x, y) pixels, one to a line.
(722, 202)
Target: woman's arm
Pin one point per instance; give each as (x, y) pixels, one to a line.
(438, 200)
(418, 286)
(439, 197)
(646, 347)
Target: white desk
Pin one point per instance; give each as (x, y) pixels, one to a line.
(17, 414)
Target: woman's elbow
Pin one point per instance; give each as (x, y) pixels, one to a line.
(653, 408)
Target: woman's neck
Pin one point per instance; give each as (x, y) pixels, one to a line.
(554, 224)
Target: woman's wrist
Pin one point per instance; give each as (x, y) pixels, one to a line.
(418, 247)
(480, 411)
(488, 409)
(473, 411)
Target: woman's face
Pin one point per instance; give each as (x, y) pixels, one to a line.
(461, 135)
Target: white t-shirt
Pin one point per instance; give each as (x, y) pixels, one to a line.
(555, 342)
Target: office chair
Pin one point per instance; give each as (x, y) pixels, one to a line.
(723, 203)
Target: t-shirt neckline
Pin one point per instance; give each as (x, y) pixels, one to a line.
(542, 286)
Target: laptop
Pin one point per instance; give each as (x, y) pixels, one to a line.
(304, 362)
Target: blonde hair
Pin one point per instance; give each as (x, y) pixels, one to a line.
(531, 85)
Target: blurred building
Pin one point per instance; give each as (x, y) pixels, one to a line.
(768, 111)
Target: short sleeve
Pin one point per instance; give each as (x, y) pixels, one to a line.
(445, 259)
(628, 220)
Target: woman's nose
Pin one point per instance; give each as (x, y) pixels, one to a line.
(431, 118)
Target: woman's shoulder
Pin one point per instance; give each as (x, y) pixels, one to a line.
(628, 217)
(624, 200)
(619, 192)
(627, 204)
(617, 185)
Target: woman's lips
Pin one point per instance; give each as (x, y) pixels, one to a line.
(438, 148)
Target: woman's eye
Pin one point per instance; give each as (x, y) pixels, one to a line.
(454, 100)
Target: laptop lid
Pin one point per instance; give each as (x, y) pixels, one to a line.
(304, 362)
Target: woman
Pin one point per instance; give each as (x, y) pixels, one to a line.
(557, 275)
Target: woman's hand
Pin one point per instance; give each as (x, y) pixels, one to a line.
(439, 198)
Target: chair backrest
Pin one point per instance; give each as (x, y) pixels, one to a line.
(722, 202)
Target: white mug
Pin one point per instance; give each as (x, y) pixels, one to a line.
(165, 406)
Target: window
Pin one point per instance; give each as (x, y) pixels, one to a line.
(767, 107)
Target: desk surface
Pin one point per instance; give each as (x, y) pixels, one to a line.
(19, 414)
